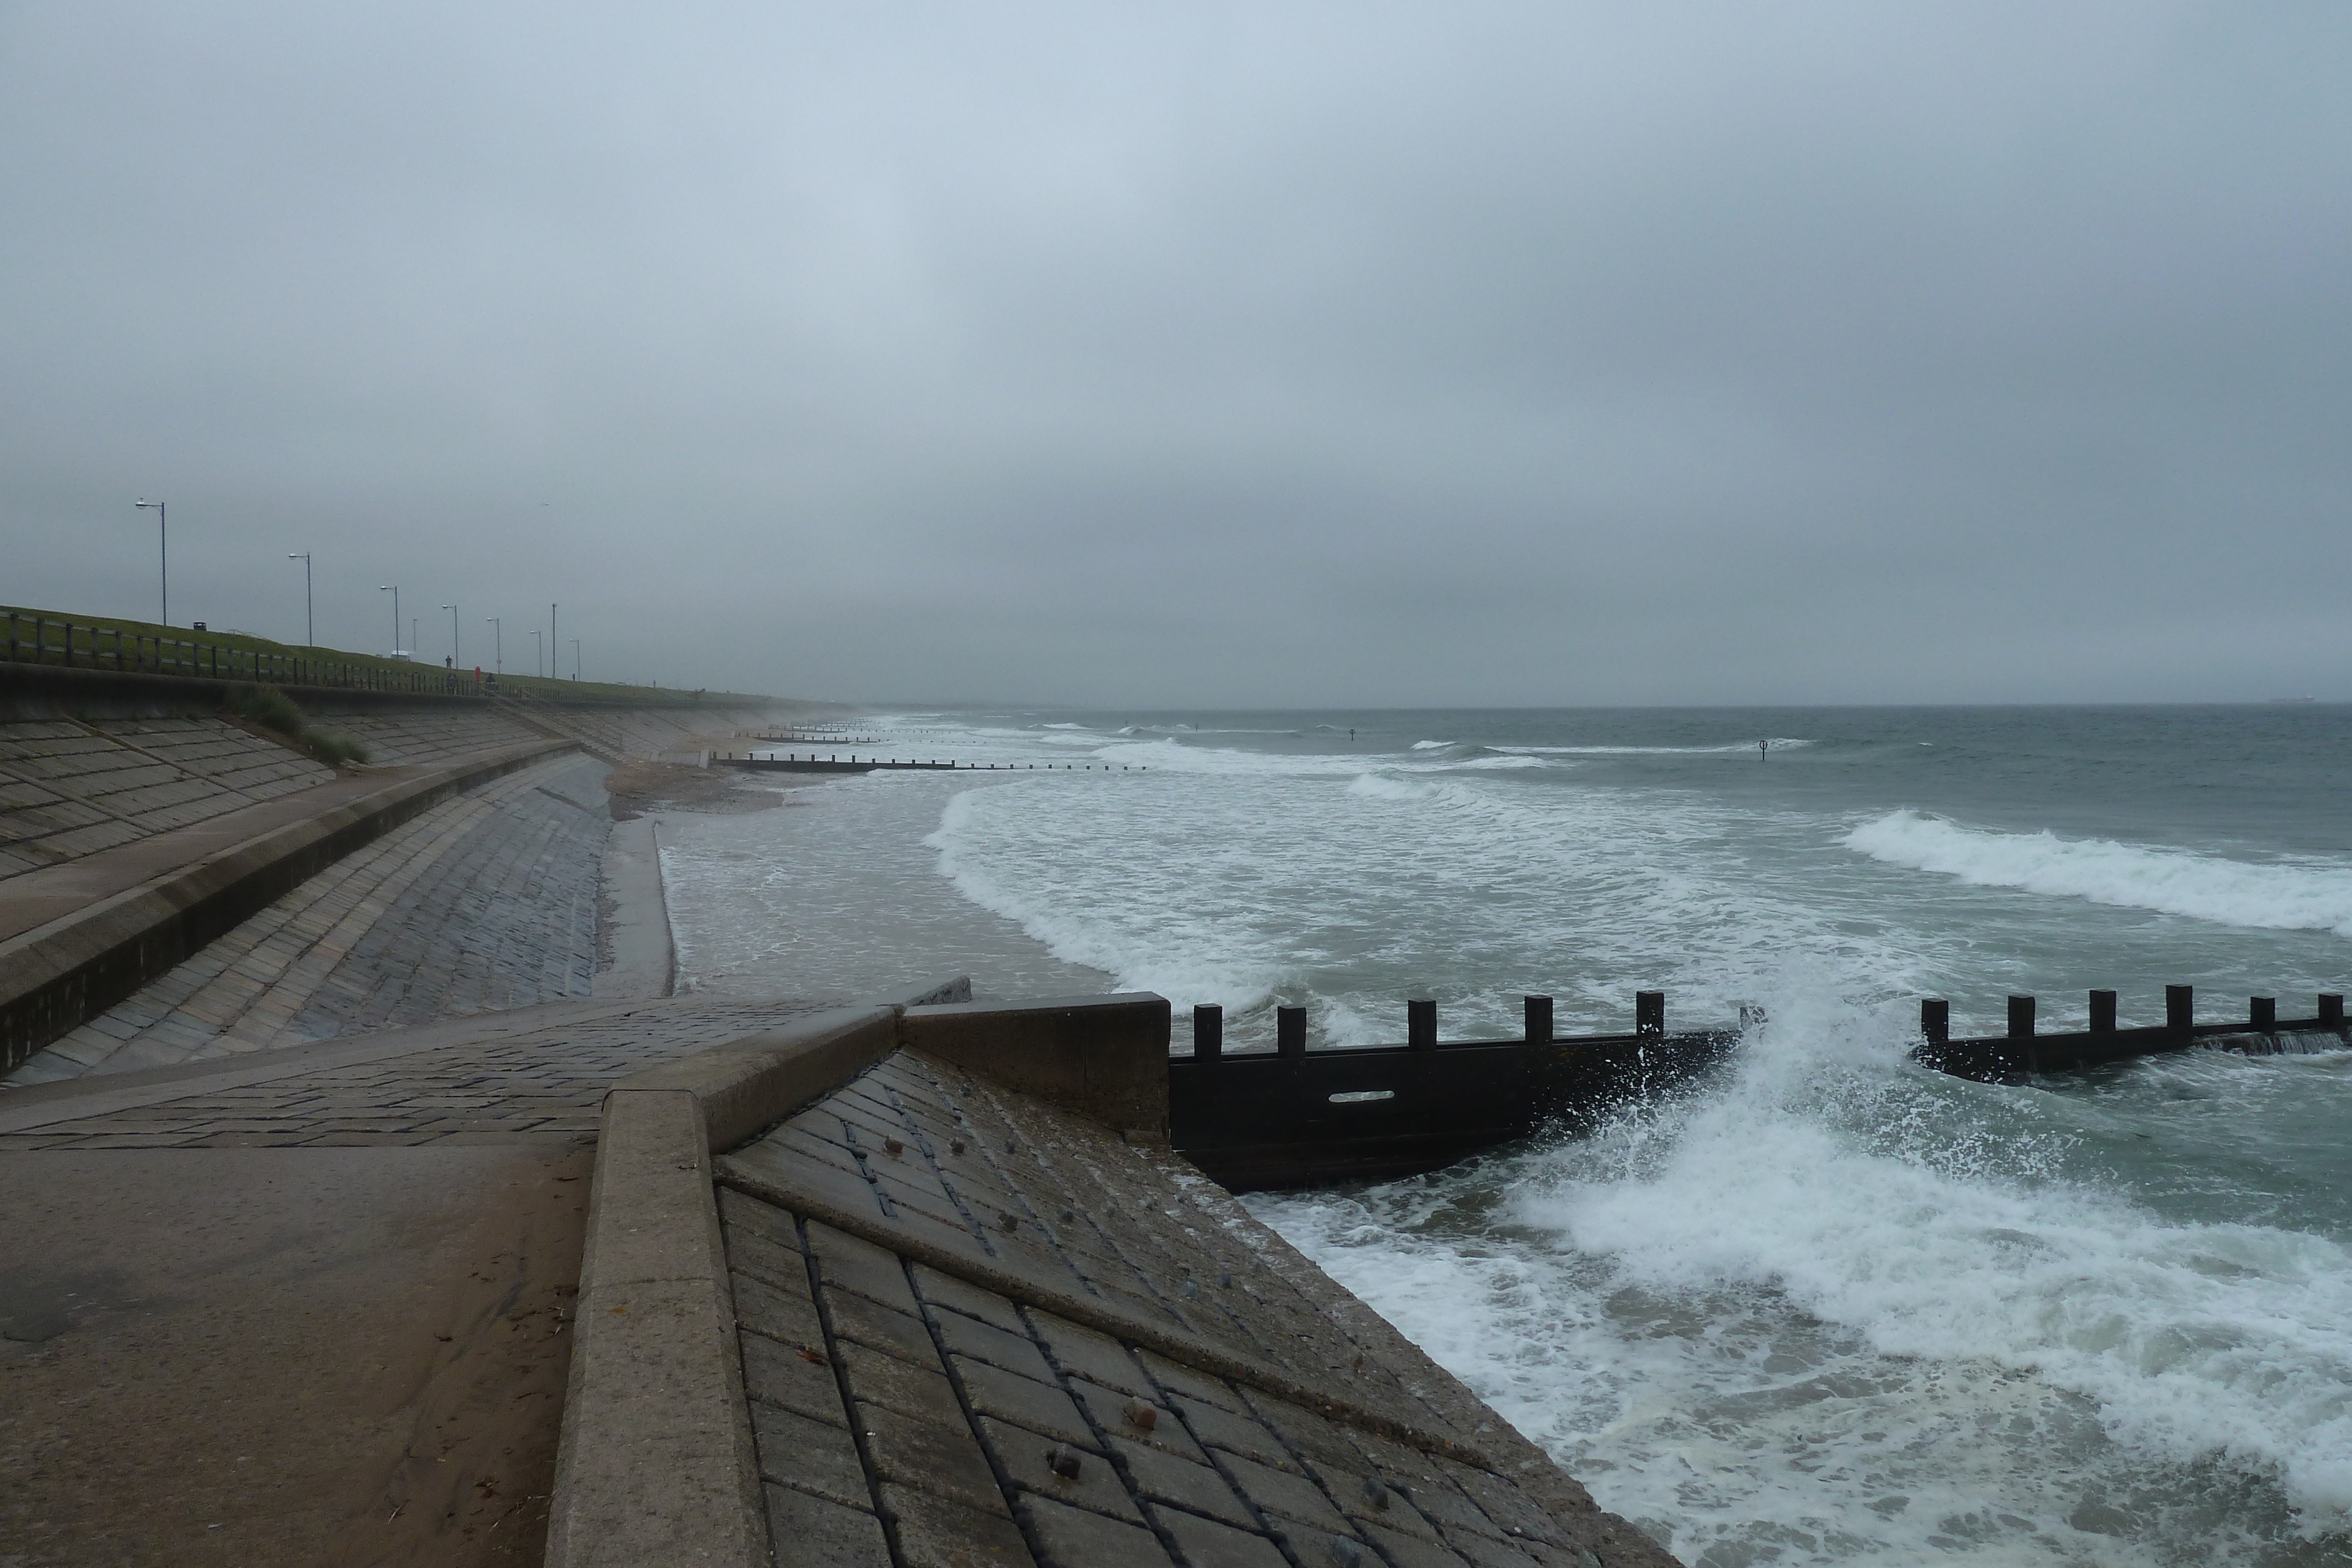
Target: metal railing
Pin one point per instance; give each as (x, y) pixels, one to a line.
(34, 639)
(37, 640)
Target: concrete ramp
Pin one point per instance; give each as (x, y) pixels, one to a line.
(941, 1314)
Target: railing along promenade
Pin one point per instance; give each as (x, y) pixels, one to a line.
(60, 643)
(1296, 1117)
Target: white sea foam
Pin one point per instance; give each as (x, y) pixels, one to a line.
(1380, 786)
(1833, 1308)
(1187, 957)
(2279, 895)
(1836, 1312)
(1242, 878)
(1431, 744)
(1777, 743)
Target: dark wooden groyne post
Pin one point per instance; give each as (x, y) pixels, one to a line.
(2331, 1009)
(1420, 1023)
(2025, 1058)
(1936, 1020)
(1538, 1027)
(1650, 1015)
(2180, 1008)
(2262, 1012)
(2103, 1012)
(1208, 1033)
(1290, 1031)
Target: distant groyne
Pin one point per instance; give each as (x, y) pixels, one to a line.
(1294, 1117)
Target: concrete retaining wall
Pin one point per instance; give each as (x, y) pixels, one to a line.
(58, 975)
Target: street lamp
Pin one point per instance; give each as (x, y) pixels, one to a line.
(497, 646)
(537, 653)
(388, 588)
(309, 624)
(453, 635)
(163, 550)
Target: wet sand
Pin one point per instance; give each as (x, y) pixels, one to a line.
(835, 894)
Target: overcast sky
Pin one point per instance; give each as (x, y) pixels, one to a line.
(1255, 354)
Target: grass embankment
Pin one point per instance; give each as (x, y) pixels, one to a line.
(266, 707)
(94, 641)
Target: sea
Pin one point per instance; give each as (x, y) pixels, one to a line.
(1823, 1306)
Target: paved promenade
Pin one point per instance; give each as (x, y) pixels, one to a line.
(528, 1075)
(311, 1304)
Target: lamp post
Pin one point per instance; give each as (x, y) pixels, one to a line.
(497, 646)
(537, 653)
(310, 623)
(554, 647)
(388, 588)
(453, 635)
(164, 550)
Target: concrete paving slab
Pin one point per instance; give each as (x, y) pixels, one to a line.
(283, 1357)
(1241, 1417)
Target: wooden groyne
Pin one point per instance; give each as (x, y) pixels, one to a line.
(834, 762)
(810, 737)
(1295, 1117)
(2023, 1050)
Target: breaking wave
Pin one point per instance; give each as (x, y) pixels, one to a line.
(2276, 895)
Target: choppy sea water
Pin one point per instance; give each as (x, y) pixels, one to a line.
(1824, 1307)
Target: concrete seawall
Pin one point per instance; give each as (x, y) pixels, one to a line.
(626, 1278)
(116, 920)
(909, 1285)
(138, 822)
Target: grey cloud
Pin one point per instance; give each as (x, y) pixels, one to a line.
(1155, 354)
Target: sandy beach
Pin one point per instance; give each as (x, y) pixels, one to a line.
(834, 893)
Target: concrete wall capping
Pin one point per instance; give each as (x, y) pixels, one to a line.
(748, 1084)
(656, 1464)
(1103, 1057)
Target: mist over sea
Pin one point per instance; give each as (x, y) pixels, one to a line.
(1825, 1306)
